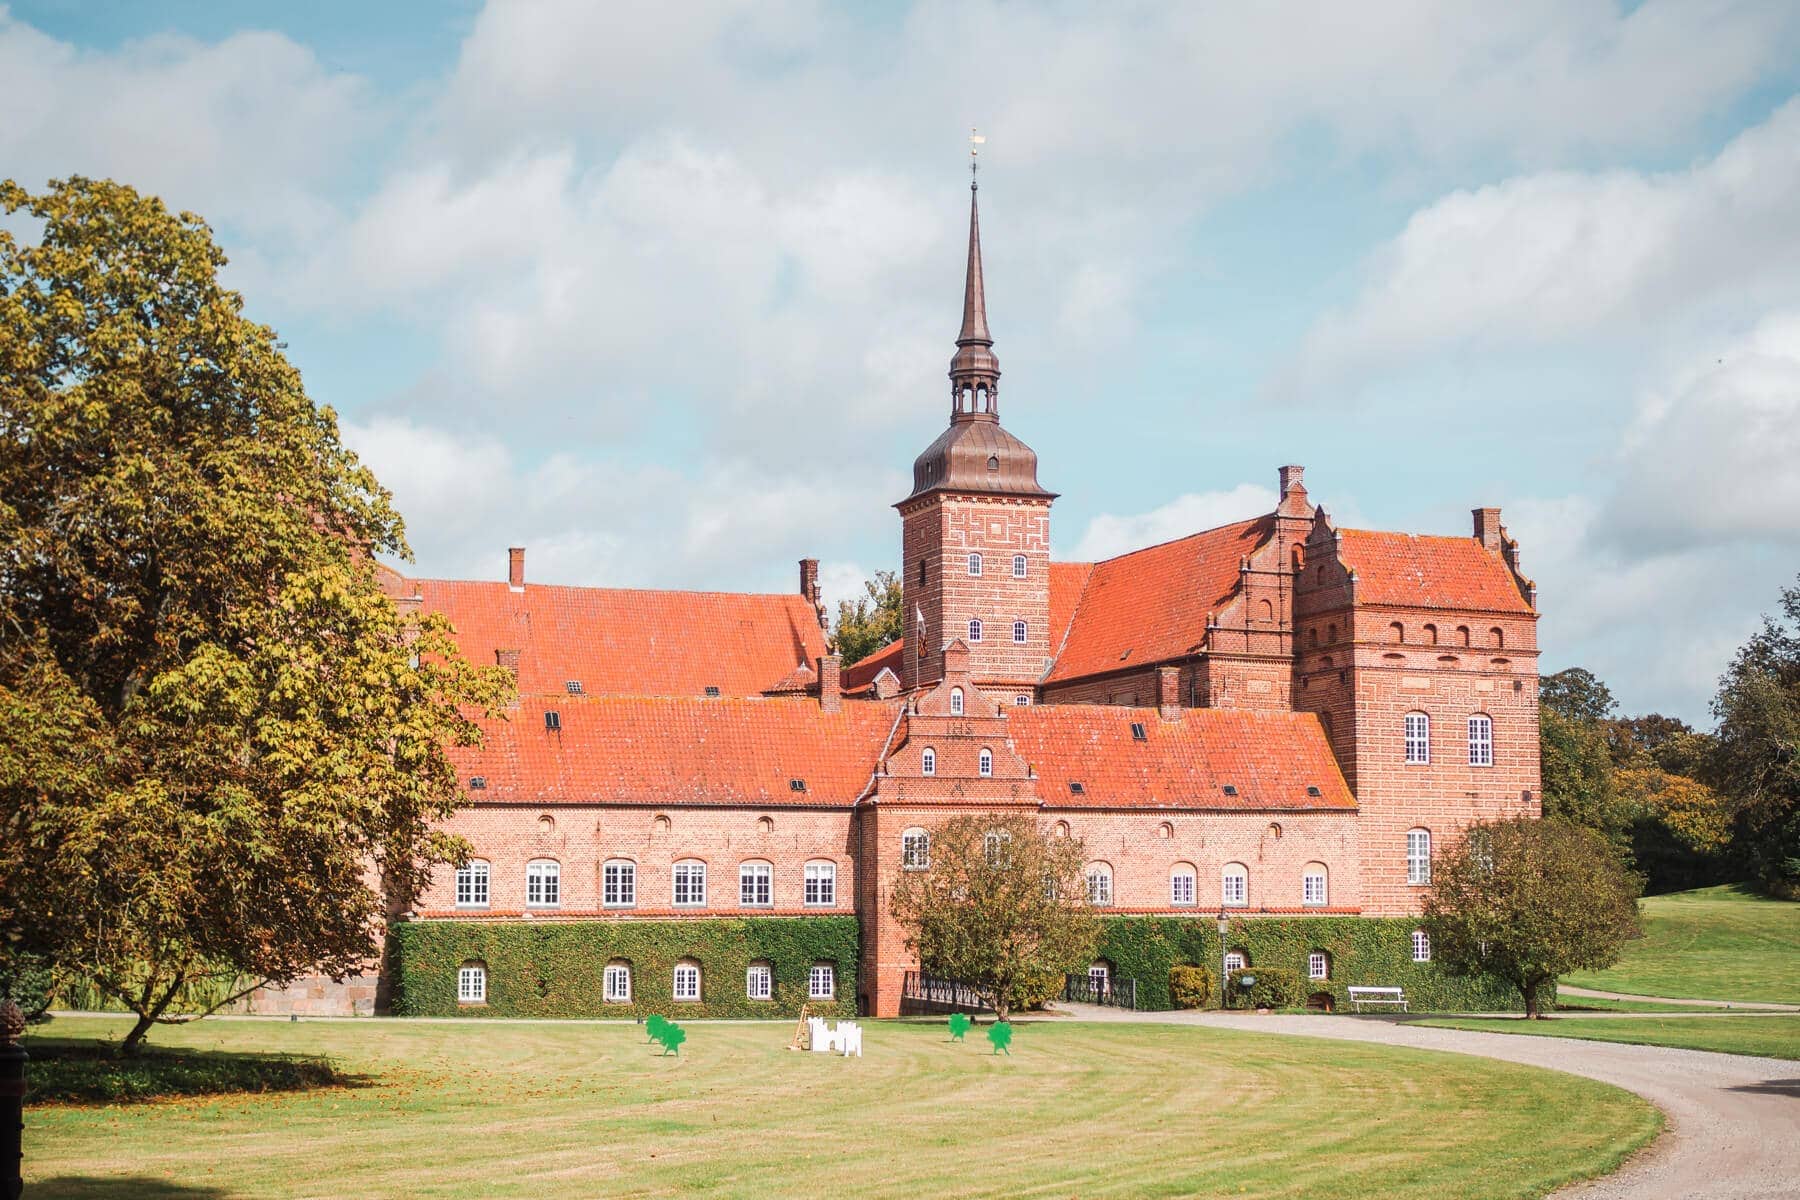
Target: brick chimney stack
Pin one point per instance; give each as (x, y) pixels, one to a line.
(1487, 528)
(515, 568)
(831, 692)
(809, 587)
(508, 659)
(1168, 693)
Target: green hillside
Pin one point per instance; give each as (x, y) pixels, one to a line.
(1717, 943)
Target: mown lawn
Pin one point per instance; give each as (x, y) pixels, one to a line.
(494, 1109)
(1771, 1037)
(1718, 943)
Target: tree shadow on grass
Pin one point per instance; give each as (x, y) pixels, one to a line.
(119, 1187)
(66, 1071)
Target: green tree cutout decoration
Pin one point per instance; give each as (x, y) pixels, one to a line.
(959, 1025)
(1000, 1034)
(654, 1024)
(671, 1036)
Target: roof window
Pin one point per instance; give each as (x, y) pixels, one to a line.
(477, 783)
(574, 686)
(1138, 733)
(552, 720)
(1076, 787)
(796, 785)
(712, 691)
(1231, 789)
(1312, 789)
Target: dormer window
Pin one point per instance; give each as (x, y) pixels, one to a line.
(975, 564)
(993, 462)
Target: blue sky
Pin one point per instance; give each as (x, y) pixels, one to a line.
(666, 293)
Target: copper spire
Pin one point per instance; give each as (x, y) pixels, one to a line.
(974, 371)
(974, 326)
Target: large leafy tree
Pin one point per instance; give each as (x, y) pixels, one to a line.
(1526, 901)
(219, 742)
(871, 622)
(1002, 907)
(1757, 758)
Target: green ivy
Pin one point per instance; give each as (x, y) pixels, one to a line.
(1365, 952)
(555, 969)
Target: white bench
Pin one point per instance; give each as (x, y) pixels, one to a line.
(1360, 996)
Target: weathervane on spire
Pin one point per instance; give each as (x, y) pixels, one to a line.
(976, 141)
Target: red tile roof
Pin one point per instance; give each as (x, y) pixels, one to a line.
(1271, 758)
(1417, 571)
(1150, 605)
(666, 750)
(862, 673)
(627, 641)
(1066, 582)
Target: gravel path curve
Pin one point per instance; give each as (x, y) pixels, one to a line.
(1565, 990)
(1734, 1120)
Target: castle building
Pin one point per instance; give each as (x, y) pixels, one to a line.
(1275, 717)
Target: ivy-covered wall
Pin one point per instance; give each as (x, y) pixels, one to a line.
(555, 969)
(1365, 951)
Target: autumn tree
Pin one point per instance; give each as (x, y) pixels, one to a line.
(1002, 906)
(220, 743)
(1527, 901)
(871, 622)
(1758, 750)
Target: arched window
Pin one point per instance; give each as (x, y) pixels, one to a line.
(543, 884)
(690, 884)
(974, 564)
(1418, 737)
(1418, 856)
(928, 761)
(1265, 610)
(975, 629)
(1481, 740)
(821, 981)
(1234, 886)
(1431, 636)
(1099, 883)
(1498, 636)
(1312, 885)
(1331, 635)
(687, 981)
(1421, 946)
(987, 763)
(1019, 632)
(618, 883)
(471, 984)
(1318, 965)
(1022, 700)
(756, 884)
(1236, 960)
(915, 850)
(1060, 829)
(1396, 633)
(472, 884)
(1184, 890)
(821, 884)
(759, 982)
(1462, 635)
(1018, 566)
(1312, 636)
(616, 982)
(956, 702)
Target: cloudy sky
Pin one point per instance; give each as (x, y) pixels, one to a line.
(665, 292)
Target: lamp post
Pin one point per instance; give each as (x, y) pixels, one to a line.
(1224, 981)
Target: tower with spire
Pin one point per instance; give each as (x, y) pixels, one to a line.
(975, 530)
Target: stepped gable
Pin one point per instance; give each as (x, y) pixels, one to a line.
(641, 750)
(1271, 758)
(1151, 605)
(1408, 570)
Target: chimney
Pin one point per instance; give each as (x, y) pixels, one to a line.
(956, 659)
(515, 568)
(1487, 528)
(1168, 693)
(508, 659)
(809, 588)
(831, 694)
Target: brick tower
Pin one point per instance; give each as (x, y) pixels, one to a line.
(975, 532)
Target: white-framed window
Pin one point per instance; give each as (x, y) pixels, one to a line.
(821, 884)
(1235, 960)
(956, 702)
(687, 981)
(1022, 700)
(821, 982)
(928, 761)
(1421, 946)
(759, 984)
(471, 984)
(690, 884)
(1100, 977)
(1184, 885)
(1099, 884)
(975, 629)
(1481, 741)
(1019, 630)
(543, 884)
(994, 844)
(472, 885)
(974, 564)
(1418, 856)
(618, 883)
(756, 885)
(915, 850)
(1418, 737)
(1318, 965)
(1234, 886)
(1019, 566)
(1312, 887)
(986, 763)
(616, 983)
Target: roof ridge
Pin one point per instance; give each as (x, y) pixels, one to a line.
(1184, 537)
(597, 587)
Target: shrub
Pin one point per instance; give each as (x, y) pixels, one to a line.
(1273, 987)
(1036, 988)
(27, 981)
(1190, 986)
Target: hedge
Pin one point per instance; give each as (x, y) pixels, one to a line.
(555, 969)
(1365, 951)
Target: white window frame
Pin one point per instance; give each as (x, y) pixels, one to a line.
(1234, 886)
(915, 850)
(974, 629)
(1417, 731)
(1184, 887)
(615, 984)
(821, 982)
(1313, 889)
(759, 982)
(820, 885)
(1421, 946)
(993, 843)
(985, 764)
(756, 880)
(1235, 960)
(472, 883)
(1019, 566)
(1021, 701)
(618, 883)
(471, 984)
(928, 761)
(1020, 632)
(1418, 857)
(1099, 885)
(1481, 740)
(1318, 965)
(1099, 977)
(543, 883)
(956, 702)
(974, 564)
(687, 884)
(684, 984)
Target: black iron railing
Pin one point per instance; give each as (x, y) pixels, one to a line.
(922, 993)
(1087, 989)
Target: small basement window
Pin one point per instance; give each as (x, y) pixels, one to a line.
(1138, 733)
(796, 785)
(552, 720)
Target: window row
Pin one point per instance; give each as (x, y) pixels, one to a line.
(684, 984)
(1019, 566)
(1318, 962)
(1416, 732)
(1429, 635)
(1234, 885)
(619, 884)
(1020, 631)
(984, 762)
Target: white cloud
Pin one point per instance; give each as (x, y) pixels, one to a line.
(1108, 534)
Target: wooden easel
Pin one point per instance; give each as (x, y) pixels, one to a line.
(800, 1034)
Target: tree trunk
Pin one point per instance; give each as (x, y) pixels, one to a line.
(135, 1038)
(1531, 1000)
(148, 1014)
